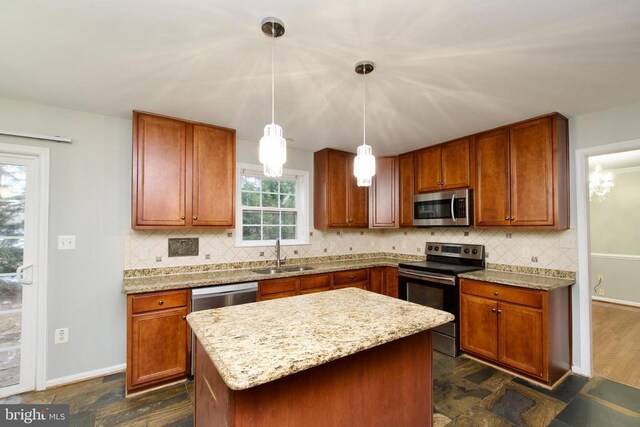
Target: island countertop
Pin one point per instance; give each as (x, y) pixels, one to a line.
(253, 344)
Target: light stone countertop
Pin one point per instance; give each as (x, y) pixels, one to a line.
(531, 281)
(133, 285)
(256, 343)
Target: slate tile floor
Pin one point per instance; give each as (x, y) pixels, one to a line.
(465, 393)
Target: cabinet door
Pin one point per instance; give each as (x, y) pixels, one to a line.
(358, 205)
(455, 164)
(315, 283)
(391, 282)
(406, 189)
(520, 338)
(428, 168)
(338, 186)
(213, 183)
(376, 280)
(159, 171)
(383, 195)
(479, 326)
(492, 182)
(159, 346)
(531, 153)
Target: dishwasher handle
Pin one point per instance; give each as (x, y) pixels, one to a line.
(223, 289)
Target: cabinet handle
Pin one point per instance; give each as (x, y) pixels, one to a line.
(493, 310)
(182, 217)
(184, 317)
(393, 221)
(512, 218)
(195, 217)
(499, 311)
(160, 302)
(506, 219)
(495, 293)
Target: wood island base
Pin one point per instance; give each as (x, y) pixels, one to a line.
(388, 385)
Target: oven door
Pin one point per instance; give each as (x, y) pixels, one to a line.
(437, 291)
(443, 208)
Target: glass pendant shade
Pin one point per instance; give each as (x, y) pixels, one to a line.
(273, 150)
(364, 166)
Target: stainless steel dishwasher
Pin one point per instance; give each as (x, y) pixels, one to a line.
(221, 296)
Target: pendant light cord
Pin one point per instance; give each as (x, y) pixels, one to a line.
(273, 73)
(364, 110)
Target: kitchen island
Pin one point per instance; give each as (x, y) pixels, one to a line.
(343, 357)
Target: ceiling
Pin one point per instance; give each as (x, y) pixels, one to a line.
(615, 161)
(444, 68)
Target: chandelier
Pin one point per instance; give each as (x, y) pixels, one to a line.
(600, 184)
(364, 165)
(273, 147)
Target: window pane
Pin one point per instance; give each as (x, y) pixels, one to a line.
(270, 185)
(251, 183)
(271, 232)
(251, 233)
(11, 251)
(271, 217)
(287, 201)
(288, 232)
(251, 217)
(270, 200)
(289, 218)
(288, 187)
(250, 199)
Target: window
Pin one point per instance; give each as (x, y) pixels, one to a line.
(271, 208)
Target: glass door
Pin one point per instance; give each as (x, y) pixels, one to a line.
(18, 242)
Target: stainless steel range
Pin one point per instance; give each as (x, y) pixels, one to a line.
(434, 283)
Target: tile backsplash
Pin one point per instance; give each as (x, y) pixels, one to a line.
(531, 248)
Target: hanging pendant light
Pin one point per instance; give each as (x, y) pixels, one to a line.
(273, 147)
(364, 165)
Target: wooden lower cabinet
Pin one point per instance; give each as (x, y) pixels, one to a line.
(158, 338)
(351, 279)
(528, 331)
(391, 282)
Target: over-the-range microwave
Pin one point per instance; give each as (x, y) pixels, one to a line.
(443, 209)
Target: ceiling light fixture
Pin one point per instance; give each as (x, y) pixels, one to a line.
(273, 147)
(600, 184)
(364, 165)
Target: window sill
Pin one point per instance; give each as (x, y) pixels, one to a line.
(270, 243)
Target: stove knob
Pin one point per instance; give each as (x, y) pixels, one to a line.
(475, 251)
(430, 248)
(437, 248)
(466, 251)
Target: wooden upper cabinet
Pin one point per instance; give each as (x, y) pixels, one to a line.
(522, 175)
(406, 189)
(213, 183)
(159, 170)
(338, 201)
(492, 181)
(443, 167)
(183, 174)
(383, 194)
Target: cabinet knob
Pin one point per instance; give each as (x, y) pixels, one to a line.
(352, 277)
(182, 217)
(499, 311)
(493, 310)
(195, 217)
(393, 221)
(512, 218)
(495, 293)
(160, 302)
(184, 317)
(506, 219)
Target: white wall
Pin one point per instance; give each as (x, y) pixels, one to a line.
(89, 198)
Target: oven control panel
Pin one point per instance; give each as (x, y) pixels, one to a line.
(455, 250)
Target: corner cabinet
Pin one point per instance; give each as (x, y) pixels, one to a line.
(525, 330)
(383, 194)
(158, 338)
(338, 201)
(443, 167)
(183, 174)
(522, 175)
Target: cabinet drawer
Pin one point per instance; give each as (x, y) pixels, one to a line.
(278, 285)
(316, 282)
(159, 300)
(362, 285)
(532, 298)
(277, 295)
(344, 277)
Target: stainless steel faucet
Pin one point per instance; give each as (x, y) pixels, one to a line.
(278, 260)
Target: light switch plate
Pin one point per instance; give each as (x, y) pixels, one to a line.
(66, 243)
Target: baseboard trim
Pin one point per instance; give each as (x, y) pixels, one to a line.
(83, 376)
(578, 371)
(616, 301)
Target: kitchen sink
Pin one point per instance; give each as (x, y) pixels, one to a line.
(298, 268)
(289, 269)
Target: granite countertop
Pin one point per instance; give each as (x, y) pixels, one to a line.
(521, 280)
(151, 283)
(253, 344)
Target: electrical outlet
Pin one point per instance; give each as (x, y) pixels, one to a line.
(207, 256)
(534, 259)
(66, 243)
(601, 292)
(61, 336)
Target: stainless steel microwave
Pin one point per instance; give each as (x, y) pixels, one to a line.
(443, 209)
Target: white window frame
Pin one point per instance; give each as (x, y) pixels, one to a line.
(302, 196)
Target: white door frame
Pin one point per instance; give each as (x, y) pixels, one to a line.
(41, 155)
(584, 245)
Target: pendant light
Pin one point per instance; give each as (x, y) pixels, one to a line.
(273, 147)
(364, 165)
